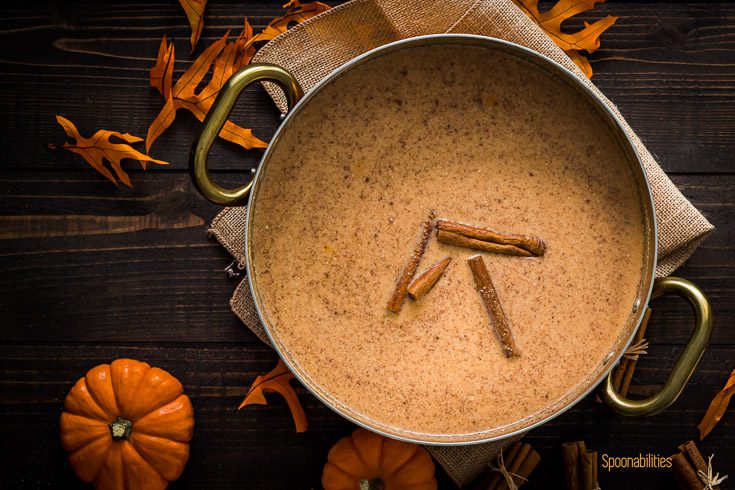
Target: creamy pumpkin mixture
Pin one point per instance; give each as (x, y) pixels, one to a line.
(481, 138)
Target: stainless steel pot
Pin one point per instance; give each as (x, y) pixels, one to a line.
(649, 287)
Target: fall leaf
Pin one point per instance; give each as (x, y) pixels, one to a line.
(226, 58)
(99, 149)
(162, 72)
(587, 39)
(277, 381)
(194, 10)
(717, 408)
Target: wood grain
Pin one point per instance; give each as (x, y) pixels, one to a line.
(665, 68)
(250, 443)
(90, 272)
(111, 287)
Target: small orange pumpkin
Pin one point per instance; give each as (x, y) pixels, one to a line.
(127, 425)
(368, 461)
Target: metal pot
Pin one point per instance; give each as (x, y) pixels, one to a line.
(649, 287)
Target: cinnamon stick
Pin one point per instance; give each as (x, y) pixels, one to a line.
(498, 318)
(690, 449)
(514, 466)
(685, 474)
(458, 240)
(588, 470)
(624, 372)
(534, 245)
(525, 470)
(571, 452)
(399, 294)
(594, 473)
(426, 280)
(512, 452)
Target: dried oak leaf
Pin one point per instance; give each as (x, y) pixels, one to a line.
(277, 381)
(587, 39)
(194, 10)
(99, 149)
(162, 73)
(717, 408)
(226, 58)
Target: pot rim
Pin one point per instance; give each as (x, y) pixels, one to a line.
(650, 239)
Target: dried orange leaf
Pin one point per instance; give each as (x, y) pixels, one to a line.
(587, 39)
(194, 10)
(297, 13)
(226, 58)
(99, 149)
(277, 381)
(717, 408)
(162, 72)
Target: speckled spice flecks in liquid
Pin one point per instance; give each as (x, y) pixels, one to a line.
(483, 139)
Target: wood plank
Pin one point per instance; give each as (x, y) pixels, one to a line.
(166, 282)
(80, 61)
(90, 272)
(616, 435)
(257, 447)
(712, 266)
(253, 448)
(109, 286)
(670, 69)
(161, 283)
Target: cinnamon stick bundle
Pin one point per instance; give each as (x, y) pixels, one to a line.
(580, 466)
(686, 463)
(426, 280)
(519, 461)
(409, 270)
(469, 236)
(498, 318)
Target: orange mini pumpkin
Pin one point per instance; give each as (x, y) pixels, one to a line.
(127, 425)
(368, 461)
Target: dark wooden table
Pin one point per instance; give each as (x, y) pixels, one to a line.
(90, 272)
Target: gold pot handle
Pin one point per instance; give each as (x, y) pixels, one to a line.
(686, 363)
(216, 119)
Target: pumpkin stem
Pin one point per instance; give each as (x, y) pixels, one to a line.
(121, 429)
(374, 484)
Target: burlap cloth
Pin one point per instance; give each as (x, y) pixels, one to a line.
(313, 49)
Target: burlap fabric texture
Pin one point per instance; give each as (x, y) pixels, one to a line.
(313, 49)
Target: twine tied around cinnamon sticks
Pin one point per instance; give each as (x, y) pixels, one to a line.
(635, 350)
(710, 481)
(505, 473)
(691, 471)
(513, 466)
